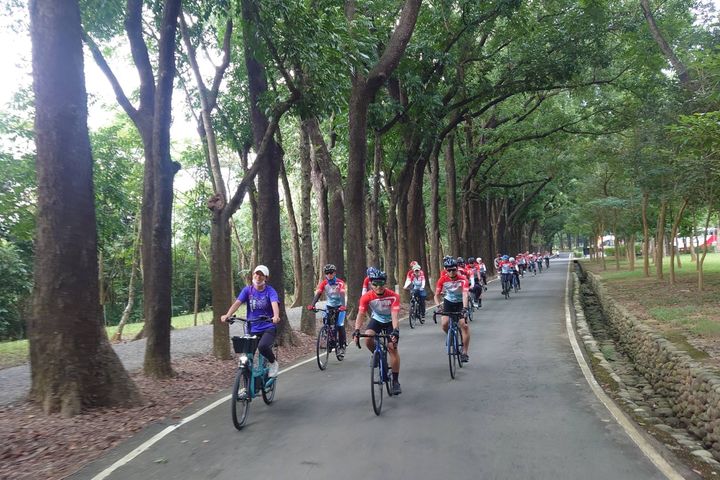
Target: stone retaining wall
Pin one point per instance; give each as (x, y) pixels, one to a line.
(692, 389)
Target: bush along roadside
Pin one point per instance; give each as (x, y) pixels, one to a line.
(674, 398)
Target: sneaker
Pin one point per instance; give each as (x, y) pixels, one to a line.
(340, 353)
(273, 369)
(396, 390)
(464, 358)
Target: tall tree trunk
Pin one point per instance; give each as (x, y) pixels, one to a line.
(678, 65)
(363, 91)
(451, 195)
(307, 320)
(374, 241)
(673, 234)
(660, 240)
(336, 203)
(646, 235)
(270, 251)
(295, 238)
(701, 258)
(131, 288)
(152, 119)
(321, 197)
(434, 262)
(72, 364)
(196, 299)
(391, 244)
(631, 252)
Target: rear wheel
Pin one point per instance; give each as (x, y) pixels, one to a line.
(240, 401)
(322, 348)
(268, 390)
(376, 384)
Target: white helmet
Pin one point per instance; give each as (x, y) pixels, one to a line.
(512, 259)
(478, 259)
(416, 268)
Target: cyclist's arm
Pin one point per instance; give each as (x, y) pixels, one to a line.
(233, 308)
(395, 321)
(276, 312)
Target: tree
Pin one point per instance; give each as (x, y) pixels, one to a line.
(152, 119)
(72, 363)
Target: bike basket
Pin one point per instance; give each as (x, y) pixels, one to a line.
(246, 344)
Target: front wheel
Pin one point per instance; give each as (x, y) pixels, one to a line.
(411, 316)
(322, 348)
(452, 359)
(240, 401)
(376, 383)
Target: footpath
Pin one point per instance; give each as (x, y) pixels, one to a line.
(184, 342)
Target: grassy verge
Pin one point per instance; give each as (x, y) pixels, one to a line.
(686, 316)
(16, 352)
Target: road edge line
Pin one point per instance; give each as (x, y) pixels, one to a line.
(627, 425)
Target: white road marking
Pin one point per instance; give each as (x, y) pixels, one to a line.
(627, 425)
(159, 436)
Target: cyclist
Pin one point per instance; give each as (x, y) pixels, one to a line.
(546, 256)
(416, 280)
(515, 272)
(505, 270)
(262, 301)
(383, 306)
(366, 283)
(473, 273)
(334, 290)
(461, 266)
(454, 288)
(483, 272)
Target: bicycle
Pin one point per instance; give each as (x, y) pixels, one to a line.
(516, 282)
(380, 370)
(251, 376)
(453, 341)
(415, 315)
(327, 338)
(505, 281)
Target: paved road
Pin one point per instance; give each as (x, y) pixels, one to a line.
(520, 409)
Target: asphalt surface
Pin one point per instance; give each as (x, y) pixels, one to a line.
(520, 409)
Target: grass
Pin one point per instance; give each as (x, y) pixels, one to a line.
(687, 317)
(15, 353)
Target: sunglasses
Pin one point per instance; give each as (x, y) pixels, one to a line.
(378, 283)
(451, 269)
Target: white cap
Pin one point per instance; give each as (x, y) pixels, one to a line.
(263, 269)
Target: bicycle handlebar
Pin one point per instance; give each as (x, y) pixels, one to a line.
(263, 319)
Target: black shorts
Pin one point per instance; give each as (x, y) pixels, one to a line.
(452, 307)
(378, 327)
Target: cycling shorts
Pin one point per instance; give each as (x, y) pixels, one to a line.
(378, 327)
(452, 307)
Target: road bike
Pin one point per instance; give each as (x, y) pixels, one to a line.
(453, 341)
(252, 373)
(415, 316)
(328, 337)
(380, 370)
(515, 282)
(506, 284)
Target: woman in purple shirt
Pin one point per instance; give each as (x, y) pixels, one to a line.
(262, 301)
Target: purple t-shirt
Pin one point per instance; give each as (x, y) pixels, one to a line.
(259, 304)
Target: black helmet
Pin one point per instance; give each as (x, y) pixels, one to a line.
(379, 276)
(471, 259)
(329, 268)
(449, 262)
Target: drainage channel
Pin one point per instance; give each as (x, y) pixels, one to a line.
(615, 371)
